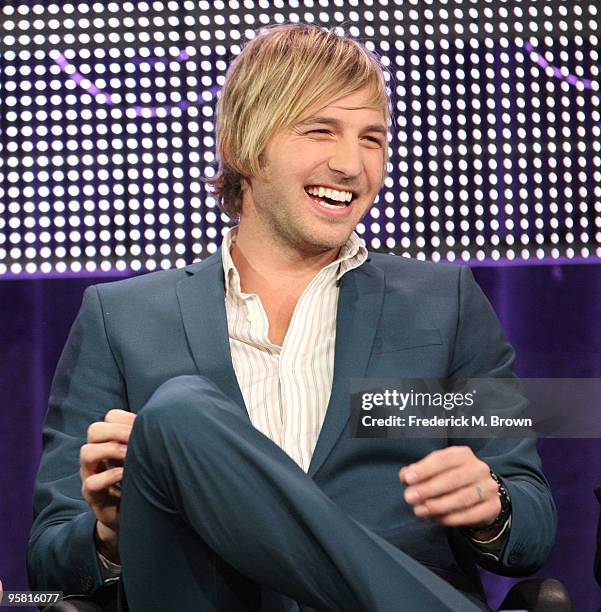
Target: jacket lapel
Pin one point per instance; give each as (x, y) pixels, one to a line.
(201, 297)
(359, 308)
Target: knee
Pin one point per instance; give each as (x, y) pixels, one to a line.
(180, 401)
(176, 394)
(184, 412)
(175, 413)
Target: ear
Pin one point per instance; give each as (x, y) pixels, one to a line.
(262, 159)
(245, 197)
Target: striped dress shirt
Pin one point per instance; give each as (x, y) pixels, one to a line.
(287, 388)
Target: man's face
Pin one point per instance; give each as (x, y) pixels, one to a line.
(339, 147)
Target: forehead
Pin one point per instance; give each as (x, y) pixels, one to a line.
(362, 100)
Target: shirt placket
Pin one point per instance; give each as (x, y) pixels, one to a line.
(259, 333)
(294, 434)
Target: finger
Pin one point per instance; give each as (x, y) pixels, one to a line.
(101, 431)
(434, 463)
(115, 490)
(120, 416)
(472, 472)
(92, 455)
(98, 483)
(458, 501)
(481, 514)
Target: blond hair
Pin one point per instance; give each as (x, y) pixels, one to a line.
(281, 75)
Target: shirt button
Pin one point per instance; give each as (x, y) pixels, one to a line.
(290, 441)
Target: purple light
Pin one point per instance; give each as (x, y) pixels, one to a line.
(62, 61)
(572, 79)
(140, 111)
(182, 55)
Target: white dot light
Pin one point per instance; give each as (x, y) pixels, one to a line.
(109, 129)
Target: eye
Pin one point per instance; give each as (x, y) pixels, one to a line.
(321, 131)
(375, 140)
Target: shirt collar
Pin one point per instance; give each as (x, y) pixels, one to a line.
(352, 255)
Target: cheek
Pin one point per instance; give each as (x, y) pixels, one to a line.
(373, 162)
(288, 172)
(305, 158)
(378, 177)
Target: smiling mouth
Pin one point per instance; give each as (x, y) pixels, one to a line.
(330, 198)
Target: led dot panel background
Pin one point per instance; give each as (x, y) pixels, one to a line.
(107, 128)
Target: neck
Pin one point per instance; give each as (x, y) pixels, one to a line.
(262, 263)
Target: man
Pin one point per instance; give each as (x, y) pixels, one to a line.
(224, 387)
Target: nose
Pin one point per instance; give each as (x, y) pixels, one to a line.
(346, 158)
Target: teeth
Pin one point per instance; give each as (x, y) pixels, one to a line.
(332, 194)
(326, 205)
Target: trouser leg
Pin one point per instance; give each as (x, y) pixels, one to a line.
(195, 459)
(166, 566)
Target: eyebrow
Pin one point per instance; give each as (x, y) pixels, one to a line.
(376, 127)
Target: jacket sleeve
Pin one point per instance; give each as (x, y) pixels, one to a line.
(87, 384)
(481, 350)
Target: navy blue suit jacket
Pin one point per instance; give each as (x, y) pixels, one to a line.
(396, 318)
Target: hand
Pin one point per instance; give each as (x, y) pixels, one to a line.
(101, 471)
(453, 487)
